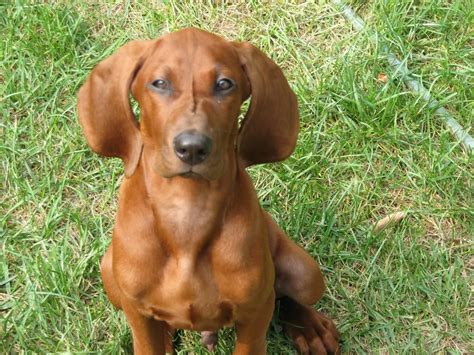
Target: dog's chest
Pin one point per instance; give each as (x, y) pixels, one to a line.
(191, 294)
(196, 267)
(201, 289)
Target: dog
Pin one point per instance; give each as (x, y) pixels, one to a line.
(191, 247)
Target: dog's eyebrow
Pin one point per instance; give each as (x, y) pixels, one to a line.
(222, 70)
(166, 71)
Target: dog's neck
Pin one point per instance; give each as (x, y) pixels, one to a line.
(189, 211)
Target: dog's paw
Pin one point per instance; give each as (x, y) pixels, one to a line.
(310, 330)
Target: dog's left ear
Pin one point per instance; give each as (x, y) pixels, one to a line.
(270, 127)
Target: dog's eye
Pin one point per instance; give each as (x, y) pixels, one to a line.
(161, 84)
(224, 85)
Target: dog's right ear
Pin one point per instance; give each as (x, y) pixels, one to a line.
(106, 117)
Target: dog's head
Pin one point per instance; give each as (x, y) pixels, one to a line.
(190, 86)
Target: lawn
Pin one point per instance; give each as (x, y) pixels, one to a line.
(367, 148)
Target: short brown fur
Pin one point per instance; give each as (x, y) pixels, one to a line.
(191, 246)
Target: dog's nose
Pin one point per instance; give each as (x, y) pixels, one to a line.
(192, 147)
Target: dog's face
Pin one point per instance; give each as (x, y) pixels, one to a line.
(190, 85)
(190, 89)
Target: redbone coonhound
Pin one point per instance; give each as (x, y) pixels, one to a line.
(192, 248)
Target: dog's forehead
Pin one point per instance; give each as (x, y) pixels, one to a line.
(197, 46)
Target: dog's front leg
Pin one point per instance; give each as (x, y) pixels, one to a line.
(148, 333)
(252, 332)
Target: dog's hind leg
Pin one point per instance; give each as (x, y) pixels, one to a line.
(299, 284)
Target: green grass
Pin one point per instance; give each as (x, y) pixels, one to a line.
(366, 149)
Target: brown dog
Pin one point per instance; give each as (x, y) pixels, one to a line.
(191, 247)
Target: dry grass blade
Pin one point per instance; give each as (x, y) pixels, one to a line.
(388, 221)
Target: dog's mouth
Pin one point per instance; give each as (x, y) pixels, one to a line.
(208, 171)
(196, 172)
(190, 174)
(201, 172)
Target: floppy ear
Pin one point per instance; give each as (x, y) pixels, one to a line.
(270, 127)
(104, 108)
